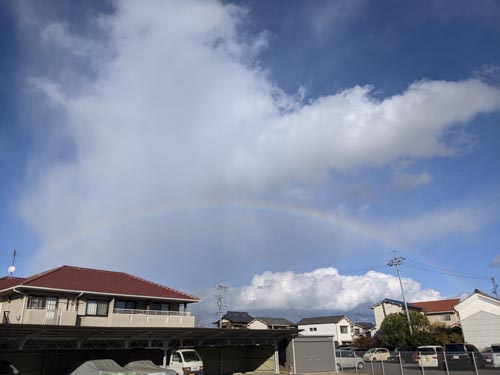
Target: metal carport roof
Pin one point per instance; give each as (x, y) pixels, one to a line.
(48, 337)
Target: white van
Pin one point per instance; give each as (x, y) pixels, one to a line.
(430, 356)
(186, 362)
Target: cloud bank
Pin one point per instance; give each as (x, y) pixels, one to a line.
(321, 291)
(171, 113)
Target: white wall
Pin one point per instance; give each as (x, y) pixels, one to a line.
(329, 329)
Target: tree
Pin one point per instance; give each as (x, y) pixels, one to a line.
(394, 331)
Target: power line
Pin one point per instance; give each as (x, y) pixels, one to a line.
(429, 268)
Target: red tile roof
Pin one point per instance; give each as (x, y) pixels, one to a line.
(9, 281)
(99, 281)
(445, 305)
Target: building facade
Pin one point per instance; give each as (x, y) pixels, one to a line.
(75, 296)
(338, 326)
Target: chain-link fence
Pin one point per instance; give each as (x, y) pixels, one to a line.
(416, 363)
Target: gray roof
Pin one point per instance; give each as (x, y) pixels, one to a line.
(322, 320)
(276, 321)
(365, 325)
(241, 317)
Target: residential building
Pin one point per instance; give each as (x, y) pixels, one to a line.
(338, 326)
(440, 312)
(235, 320)
(387, 307)
(479, 316)
(76, 296)
(271, 323)
(362, 329)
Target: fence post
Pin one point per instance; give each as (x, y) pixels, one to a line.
(446, 364)
(420, 363)
(382, 364)
(400, 363)
(371, 361)
(475, 364)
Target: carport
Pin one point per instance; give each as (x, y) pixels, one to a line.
(45, 349)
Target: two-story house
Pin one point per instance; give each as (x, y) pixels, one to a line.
(271, 323)
(440, 312)
(338, 326)
(78, 296)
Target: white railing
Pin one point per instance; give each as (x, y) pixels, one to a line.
(151, 312)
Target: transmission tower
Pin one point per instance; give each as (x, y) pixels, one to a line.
(220, 300)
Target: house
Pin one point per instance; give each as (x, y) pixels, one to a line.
(76, 296)
(440, 312)
(271, 323)
(387, 307)
(337, 326)
(362, 329)
(235, 320)
(479, 316)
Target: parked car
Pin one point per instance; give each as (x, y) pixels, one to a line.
(430, 356)
(7, 368)
(487, 355)
(348, 359)
(406, 353)
(347, 348)
(463, 356)
(377, 354)
(495, 355)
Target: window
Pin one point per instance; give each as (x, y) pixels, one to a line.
(97, 308)
(445, 318)
(343, 329)
(313, 329)
(36, 302)
(160, 306)
(129, 305)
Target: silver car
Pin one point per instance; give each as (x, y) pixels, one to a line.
(348, 359)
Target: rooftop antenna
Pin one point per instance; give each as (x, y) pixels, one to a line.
(12, 268)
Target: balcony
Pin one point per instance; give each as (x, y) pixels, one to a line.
(150, 318)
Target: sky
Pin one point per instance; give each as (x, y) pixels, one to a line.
(287, 151)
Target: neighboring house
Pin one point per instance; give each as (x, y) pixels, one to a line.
(337, 326)
(479, 316)
(76, 296)
(362, 329)
(387, 307)
(271, 323)
(440, 312)
(235, 320)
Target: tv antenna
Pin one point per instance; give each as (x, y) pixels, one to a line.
(12, 268)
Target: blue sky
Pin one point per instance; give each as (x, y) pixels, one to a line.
(285, 150)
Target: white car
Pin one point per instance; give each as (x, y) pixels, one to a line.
(430, 355)
(348, 359)
(377, 354)
(495, 355)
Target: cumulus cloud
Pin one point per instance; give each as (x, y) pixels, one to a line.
(322, 290)
(177, 113)
(496, 261)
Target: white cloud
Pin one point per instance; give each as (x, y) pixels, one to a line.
(496, 261)
(322, 289)
(179, 113)
(407, 180)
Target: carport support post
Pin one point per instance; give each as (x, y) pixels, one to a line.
(165, 350)
(276, 358)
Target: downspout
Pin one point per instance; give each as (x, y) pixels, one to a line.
(76, 302)
(24, 303)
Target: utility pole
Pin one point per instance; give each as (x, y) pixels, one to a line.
(494, 286)
(396, 261)
(220, 301)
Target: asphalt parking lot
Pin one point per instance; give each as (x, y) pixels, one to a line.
(385, 368)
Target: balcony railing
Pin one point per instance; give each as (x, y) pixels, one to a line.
(151, 312)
